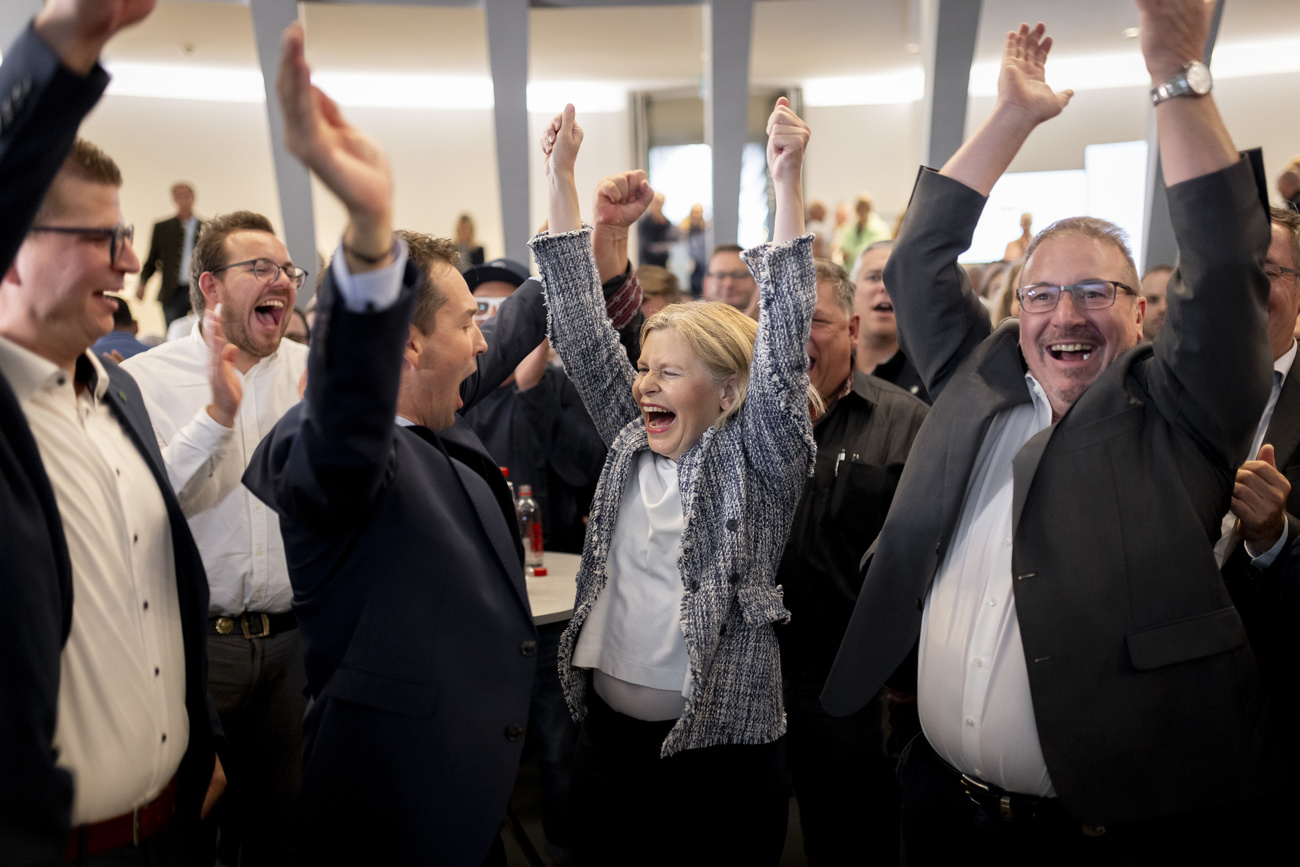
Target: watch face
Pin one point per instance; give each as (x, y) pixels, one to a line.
(1198, 78)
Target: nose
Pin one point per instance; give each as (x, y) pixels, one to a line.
(127, 261)
(480, 344)
(1066, 311)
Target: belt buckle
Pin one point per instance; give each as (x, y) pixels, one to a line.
(266, 626)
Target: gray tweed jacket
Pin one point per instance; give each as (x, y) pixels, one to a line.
(739, 485)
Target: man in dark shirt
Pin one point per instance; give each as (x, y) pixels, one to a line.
(863, 438)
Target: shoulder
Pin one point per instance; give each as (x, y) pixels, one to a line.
(167, 360)
(878, 392)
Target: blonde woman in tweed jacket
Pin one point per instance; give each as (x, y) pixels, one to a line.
(671, 660)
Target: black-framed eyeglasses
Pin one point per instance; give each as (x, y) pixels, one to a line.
(118, 236)
(268, 272)
(1087, 295)
(1277, 272)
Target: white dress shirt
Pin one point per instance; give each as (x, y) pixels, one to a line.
(237, 535)
(973, 685)
(122, 726)
(633, 635)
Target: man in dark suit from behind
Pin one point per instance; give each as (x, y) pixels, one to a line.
(170, 248)
(399, 533)
(106, 742)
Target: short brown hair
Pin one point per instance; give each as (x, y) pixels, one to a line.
(210, 247)
(1095, 229)
(86, 162)
(658, 282)
(425, 251)
(829, 272)
(1289, 220)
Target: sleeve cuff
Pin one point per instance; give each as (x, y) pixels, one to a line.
(372, 290)
(1264, 560)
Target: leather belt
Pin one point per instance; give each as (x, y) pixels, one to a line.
(254, 624)
(131, 828)
(1017, 809)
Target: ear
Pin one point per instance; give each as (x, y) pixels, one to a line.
(208, 286)
(1141, 314)
(855, 322)
(414, 348)
(727, 393)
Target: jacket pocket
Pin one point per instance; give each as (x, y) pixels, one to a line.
(762, 605)
(382, 693)
(1187, 639)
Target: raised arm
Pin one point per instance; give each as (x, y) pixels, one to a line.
(1213, 362)
(579, 328)
(621, 199)
(326, 459)
(778, 428)
(940, 320)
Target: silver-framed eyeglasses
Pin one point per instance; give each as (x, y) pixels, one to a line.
(1277, 272)
(118, 236)
(1087, 295)
(268, 272)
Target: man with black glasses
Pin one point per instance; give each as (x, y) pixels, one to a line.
(212, 396)
(1085, 686)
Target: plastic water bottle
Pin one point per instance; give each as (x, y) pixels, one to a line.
(530, 527)
(514, 498)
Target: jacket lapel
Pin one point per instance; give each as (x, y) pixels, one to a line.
(464, 454)
(1284, 426)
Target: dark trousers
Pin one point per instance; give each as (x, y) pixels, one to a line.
(177, 305)
(941, 825)
(552, 737)
(718, 805)
(843, 777)
(257, 686)
(173, 846)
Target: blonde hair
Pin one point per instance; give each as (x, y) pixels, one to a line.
(722, 338)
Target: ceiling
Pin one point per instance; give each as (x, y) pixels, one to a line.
(650, 45)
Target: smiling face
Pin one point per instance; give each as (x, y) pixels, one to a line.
(876, 311)
(679, 397)
(830, 342)
(1283, 293)
(53, 298)
(254, 314)
(1068, 348)
(439, 361)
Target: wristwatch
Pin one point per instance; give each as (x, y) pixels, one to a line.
(1192, 80)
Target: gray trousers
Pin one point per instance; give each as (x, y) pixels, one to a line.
(257, 686)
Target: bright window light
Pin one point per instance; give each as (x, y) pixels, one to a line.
(175, 81)
(393, 90)
(549, 97)
(902, 85)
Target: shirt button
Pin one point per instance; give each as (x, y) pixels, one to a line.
(979, 663)
(135, 538)
(146, 605)
(259, 551)
(118, 471)
(164, 740)
(155, 671)
(1007, 543)
(992, 602)
(514, 732)
(695, 585)
(528, 648)
(970, 721)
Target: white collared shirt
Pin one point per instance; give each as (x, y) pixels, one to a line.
(122, 726)
(238, 536)
(973, 685)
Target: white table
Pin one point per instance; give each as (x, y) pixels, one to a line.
(551, 595)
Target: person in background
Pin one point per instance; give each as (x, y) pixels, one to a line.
(695, 230)
(1008, 305)
(467, 245)
(674, 670)
(298, 331)
(877, 351)
(1016, 249)
(170, 248)
(1154, 282)
(659, 288)
(656, 234)
(855, 237)
(120, 343)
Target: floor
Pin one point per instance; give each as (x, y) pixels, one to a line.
(525, 805)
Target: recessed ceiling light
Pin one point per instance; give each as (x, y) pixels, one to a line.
(1130, 32)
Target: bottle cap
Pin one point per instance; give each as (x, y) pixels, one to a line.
(505, 471)
(525, 490)
(539, 571)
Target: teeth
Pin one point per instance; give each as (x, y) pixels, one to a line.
(273, 302)
(1071, 347)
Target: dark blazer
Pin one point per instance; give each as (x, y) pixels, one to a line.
(36, 578)
(1145, 692)
(409, 590)
(1269, 599)
(165, 247)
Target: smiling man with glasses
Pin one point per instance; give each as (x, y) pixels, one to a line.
(212, 396)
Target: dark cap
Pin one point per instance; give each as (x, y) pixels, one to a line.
(504, 270)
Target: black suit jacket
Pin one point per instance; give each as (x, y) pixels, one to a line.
(408, 583)
(165, 247)
(1269, 599)
(46, 104)
(1145, 693)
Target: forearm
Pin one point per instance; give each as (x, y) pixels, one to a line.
(1193, 139)
(609, 243)
(983, 158)
(563, 212)
(789, 212)
(191, 458)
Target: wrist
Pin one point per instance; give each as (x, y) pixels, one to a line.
(368, 245)
(76, 51)
(220, 416)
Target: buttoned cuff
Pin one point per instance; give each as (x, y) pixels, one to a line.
(1263, 561)
(370, 290)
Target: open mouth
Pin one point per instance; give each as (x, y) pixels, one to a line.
(884, 307)
(270, 312)
(657, 419)
(1071, 351)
